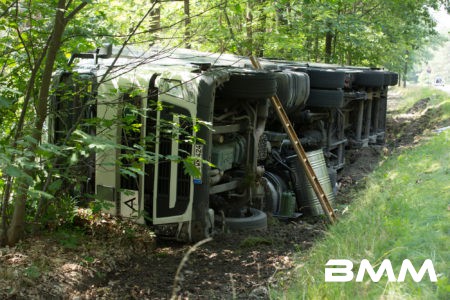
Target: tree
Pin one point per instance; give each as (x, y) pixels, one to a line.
(352, 32)
(26, 161)
(41, 65)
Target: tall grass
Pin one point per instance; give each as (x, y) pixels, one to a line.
(403, 213)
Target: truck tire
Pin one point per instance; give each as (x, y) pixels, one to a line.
(256, 221)
(249, 84)
(321, 78)
(387, 78)
(326, 98)
(326, 78)
(394, 79)
(370, 78)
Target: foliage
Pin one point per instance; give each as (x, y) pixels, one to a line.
(32, 36)
(356, 32)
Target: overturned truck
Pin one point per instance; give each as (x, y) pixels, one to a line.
(184, 108)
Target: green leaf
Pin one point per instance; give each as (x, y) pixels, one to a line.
(30, 139)
(173, 157)
(190, 168)
(13, 171)
(47, 148)
(55, 185)
(4, 103)
(37, 194)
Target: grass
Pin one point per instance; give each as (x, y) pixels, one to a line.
(403, 213)
(254, 241)
(438, 99)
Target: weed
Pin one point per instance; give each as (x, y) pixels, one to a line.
(88, 260)
(254, 241)
(100, 275)
(161, 254)
(32, 272)
(100, 205)
(130, 233)
(69, 238)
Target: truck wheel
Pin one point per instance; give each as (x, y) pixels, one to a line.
(370, 78)
(249, 84)
(387, 78)
(326, 78)
(256, 221)
(394, 78)
(325, 98)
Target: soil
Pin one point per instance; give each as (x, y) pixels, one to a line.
(107, 258)
(110, 259)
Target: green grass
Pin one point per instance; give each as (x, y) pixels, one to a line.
(402, 213)
(254, 241)
(439, 100)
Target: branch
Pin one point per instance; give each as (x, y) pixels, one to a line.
(5, 12)
(22, 41)
(75, 11)
(230, 28)
(369, 10)
(68, 4)
(183, 262)
(126, 41)
(30, 18)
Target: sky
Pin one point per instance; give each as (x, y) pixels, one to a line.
(440, 63)
(443, 20)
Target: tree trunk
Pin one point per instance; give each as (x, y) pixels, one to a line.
(328, 46)
(155, 16)
(249, 21)
(18, 134)
(16, 228)
(259, 45)
(316, 48)
(405, 71)
(308, 47)
(404, 75)
(335, 38)
(187, 24)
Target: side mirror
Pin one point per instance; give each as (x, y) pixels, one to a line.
(105, 51)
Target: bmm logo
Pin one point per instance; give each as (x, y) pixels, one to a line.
(346, 274)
